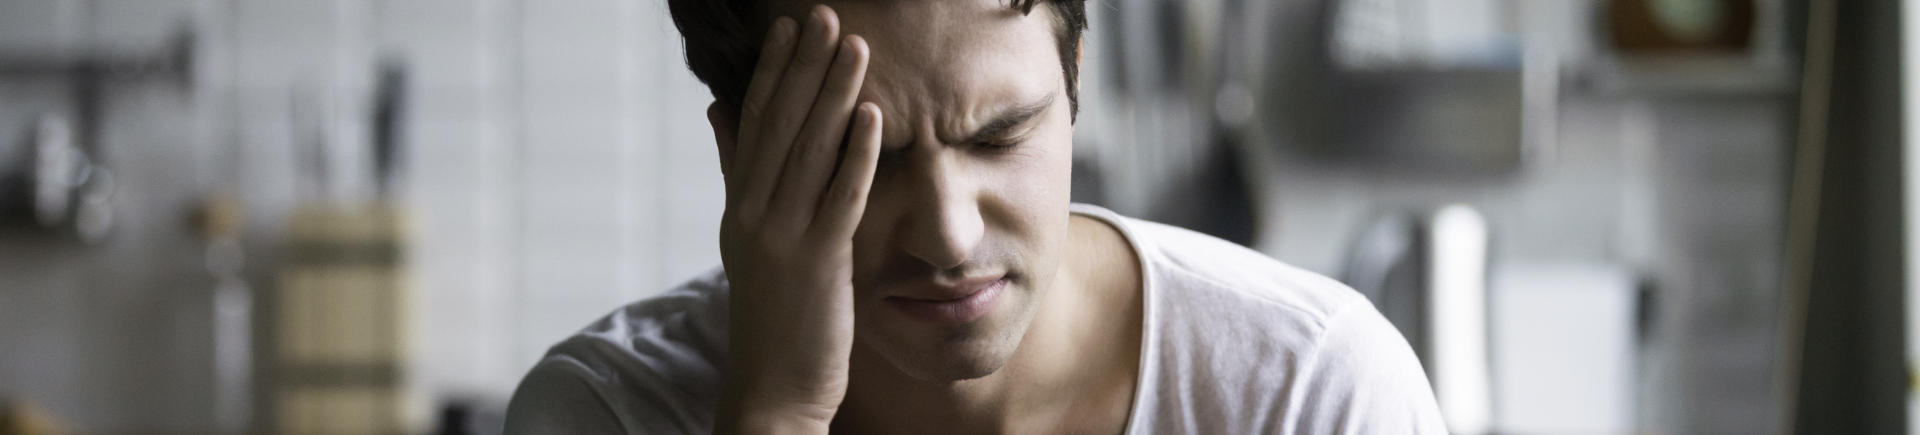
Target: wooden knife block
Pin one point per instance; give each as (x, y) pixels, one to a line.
(341, 357)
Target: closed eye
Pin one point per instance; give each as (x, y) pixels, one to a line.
(1000, 128)
(997, 144)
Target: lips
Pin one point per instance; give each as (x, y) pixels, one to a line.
(963, 302)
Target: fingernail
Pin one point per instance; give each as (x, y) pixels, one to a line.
(782, 31)
(866, 115)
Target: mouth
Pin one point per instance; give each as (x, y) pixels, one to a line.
(964, 302)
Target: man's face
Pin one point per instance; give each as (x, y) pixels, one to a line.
(966, 223)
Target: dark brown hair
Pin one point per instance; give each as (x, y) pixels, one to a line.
(722, 42)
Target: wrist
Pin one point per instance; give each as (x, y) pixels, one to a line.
(773, 421)
(749, 410)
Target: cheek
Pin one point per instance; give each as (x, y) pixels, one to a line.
(1025, 195)
(1035, 176)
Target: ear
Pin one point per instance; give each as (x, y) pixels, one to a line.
(1079, 52)
(725, 131)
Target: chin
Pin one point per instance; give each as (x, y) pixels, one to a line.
(947, 367)
(945, 354)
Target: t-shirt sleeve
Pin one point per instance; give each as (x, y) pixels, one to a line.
(1365, 379)
(563, 396)
(556, 397)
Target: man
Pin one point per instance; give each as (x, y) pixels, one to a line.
(901, 256)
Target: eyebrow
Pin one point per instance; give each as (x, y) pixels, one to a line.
(1008, 119)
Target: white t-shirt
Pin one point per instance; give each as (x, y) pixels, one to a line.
(1235, 343)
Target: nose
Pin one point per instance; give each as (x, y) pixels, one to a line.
(943, 226)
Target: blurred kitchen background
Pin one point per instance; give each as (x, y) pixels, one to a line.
(361, 216)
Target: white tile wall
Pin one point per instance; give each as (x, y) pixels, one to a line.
(559, 165)
(41, 25)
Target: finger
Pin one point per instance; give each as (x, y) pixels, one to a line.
(846, 198)
(788, 108)
(810, 164)
(774, 55)
(725, 134)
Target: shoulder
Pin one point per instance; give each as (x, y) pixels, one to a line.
(1360, 377)
(1238, 338)
(652, 366)
(1190, 270)
(1203, 290)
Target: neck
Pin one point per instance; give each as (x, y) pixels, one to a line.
(1073, 372)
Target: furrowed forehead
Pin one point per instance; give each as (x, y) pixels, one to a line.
(946, 67)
